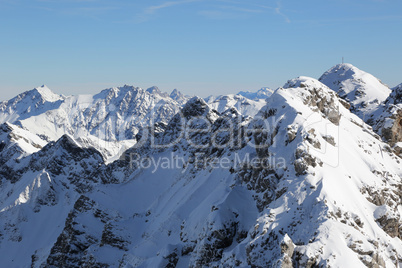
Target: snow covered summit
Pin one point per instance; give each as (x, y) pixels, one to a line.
(262, 93)
(48, 94)
(107, 121)
(293, 180)
(364, 91)
(30, 103)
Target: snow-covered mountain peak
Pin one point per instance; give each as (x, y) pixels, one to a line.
(179, 97)
(305, 183)
(308, 92)
(175, 93)
(40, 94)
(114, 115)
(322, 150)
(345, 69)
(26, 104)
(313, 92)
(47, 94)
(116, 92)
(196, 106)
(342, 78)
(262, 93)
(156, 91)
(302, 82)
(244, 105)
(364, 91)
(65, 143)
(68, 149)
(131, 90)
(68, 142)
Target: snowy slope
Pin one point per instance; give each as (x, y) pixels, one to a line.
(30, 103)
(113, 114)
(107, 121)
(262, 93)
(304, 183)
(35, 205)
(15, 144)
(179, 97)
(364, 91)
(14, 136)
(244, 105)
(345, 181)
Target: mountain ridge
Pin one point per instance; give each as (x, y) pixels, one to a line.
(361, 89)
(299, 180)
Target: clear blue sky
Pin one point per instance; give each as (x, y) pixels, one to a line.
(201, 47)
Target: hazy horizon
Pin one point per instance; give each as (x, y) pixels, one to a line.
(93, 89)
(200, 47)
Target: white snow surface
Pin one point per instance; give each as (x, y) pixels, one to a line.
(364, 91)
(243, 105)
(323, 201)
(262, 93)
(17, 142)
(107, 121)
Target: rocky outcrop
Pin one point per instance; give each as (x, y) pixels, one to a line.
(317, 96)
(392, 128)
(392, 226)
(287, 250)
(275, 201)
(387, 120)
(396, 96)
(210, 248)
(71, 246)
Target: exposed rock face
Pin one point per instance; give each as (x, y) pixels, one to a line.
(17, 143)
(66, 158)
(304, 183)
(109, 237)
(107, 121)
(318, 96)
(388, 199)
(197, 107)
(392, 130)
(396, 96)
(303, 161)
(287, 249)
(387, 120)
(306, 143)
(391, 226)
(371, 100)
(71, 248)
(368, 258)
(210, 249)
